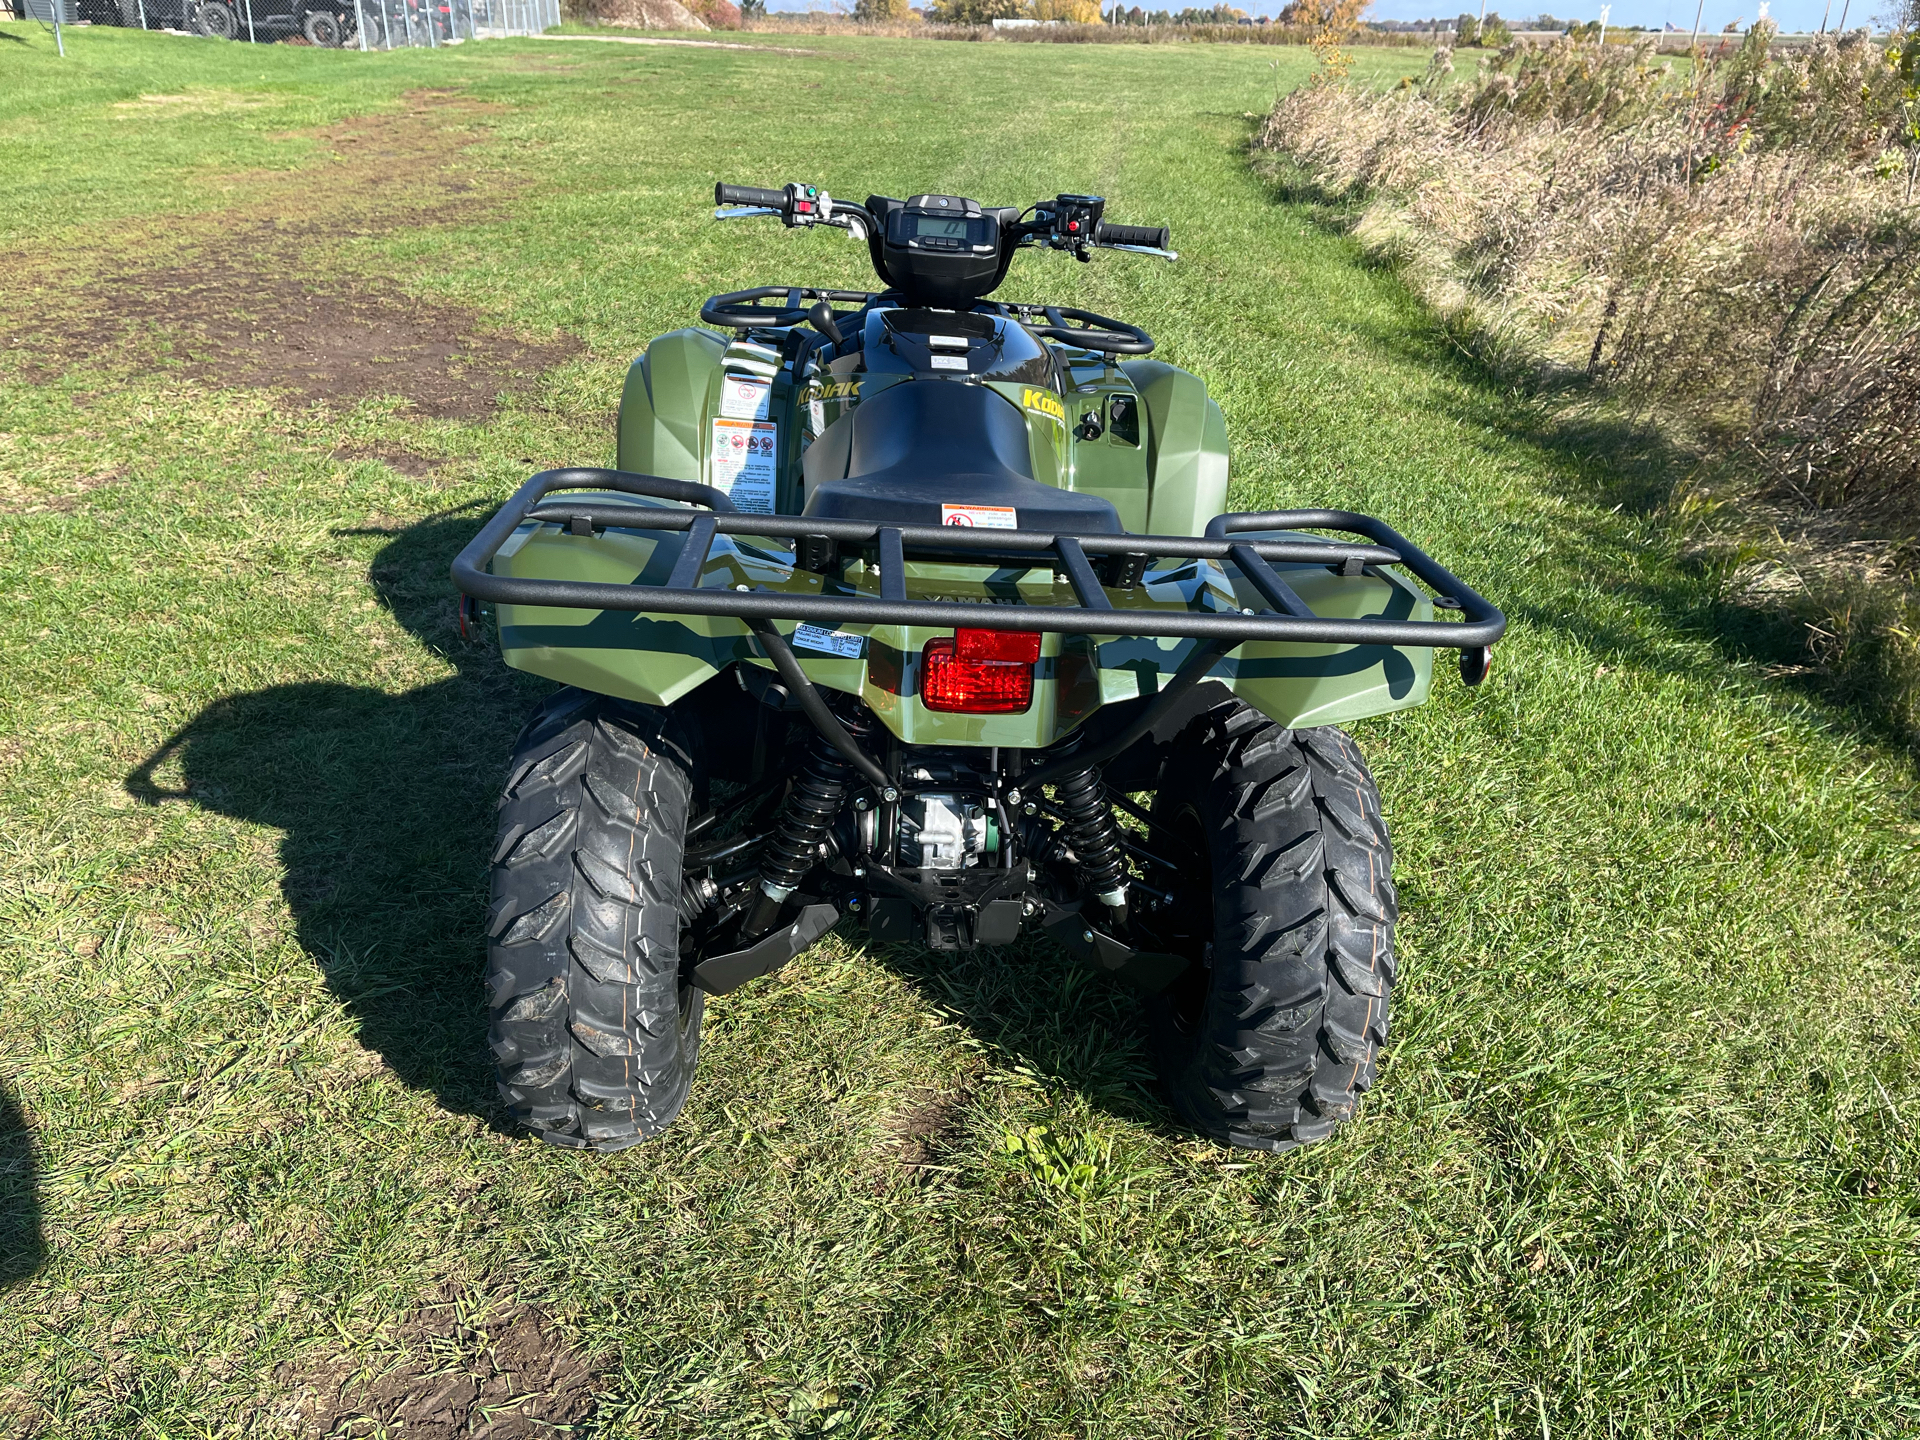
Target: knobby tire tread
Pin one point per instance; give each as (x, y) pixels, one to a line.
(1295, 1009)
(588, 1032)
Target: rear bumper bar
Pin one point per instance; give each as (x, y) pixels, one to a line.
(1284, 617)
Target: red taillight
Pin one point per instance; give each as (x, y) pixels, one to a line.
(979, 672)
(1022, 646)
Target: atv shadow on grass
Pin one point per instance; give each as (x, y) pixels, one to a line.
(385, 801)
(23, 1248)
(1044, 1013)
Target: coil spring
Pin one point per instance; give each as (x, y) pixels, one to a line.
(805, 820)
(1093, 834)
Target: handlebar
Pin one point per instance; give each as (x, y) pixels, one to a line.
(724, 194)
(1152, 237)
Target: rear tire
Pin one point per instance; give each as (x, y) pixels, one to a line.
(1270, 1039)
(595, 1034)
(217, 20)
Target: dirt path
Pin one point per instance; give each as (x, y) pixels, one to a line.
(260, 293)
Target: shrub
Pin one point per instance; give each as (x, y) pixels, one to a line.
(718, 14)
(1339, 16)
(972, 12)
(1073, 12)
(1738, 254)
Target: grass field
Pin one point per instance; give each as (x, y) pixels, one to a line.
(283, 324)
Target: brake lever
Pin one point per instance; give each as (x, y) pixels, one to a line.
(1152, 250)
(743, 212)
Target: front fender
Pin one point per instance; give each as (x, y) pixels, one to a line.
(1186, 448)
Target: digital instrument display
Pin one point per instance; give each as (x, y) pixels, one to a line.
(940, 226)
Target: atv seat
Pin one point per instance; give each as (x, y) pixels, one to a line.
(925, 444)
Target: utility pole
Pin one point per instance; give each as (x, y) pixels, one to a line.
(1698, 11)
(1606, 10)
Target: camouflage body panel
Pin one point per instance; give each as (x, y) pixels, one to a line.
(658, 659)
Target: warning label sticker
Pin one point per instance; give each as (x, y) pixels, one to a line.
(985, 517)
(833, 642)
(745, 397)
(746, 462)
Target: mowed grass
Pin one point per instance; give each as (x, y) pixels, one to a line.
(1642, 1161)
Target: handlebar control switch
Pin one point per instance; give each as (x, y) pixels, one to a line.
(806, 205)
(1076, 220)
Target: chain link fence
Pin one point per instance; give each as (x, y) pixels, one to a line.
(348, 24)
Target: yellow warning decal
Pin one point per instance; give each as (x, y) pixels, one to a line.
(1045, 403)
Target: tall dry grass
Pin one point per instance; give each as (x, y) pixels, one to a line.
(1733, 252)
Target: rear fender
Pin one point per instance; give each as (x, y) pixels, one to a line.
(658, 659)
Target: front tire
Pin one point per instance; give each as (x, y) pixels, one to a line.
(323, 28)
(1271, 1037)
(595, 1033)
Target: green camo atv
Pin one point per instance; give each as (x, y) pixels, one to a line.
(895, 606)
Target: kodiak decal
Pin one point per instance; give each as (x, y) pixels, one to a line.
(1044, 402)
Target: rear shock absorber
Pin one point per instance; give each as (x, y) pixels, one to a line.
(806, 819)
(1095, 838)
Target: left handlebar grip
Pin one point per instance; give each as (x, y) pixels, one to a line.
(724, 194)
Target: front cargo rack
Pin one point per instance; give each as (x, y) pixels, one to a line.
(1285, 617)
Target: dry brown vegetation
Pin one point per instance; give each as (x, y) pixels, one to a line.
(1733, 255)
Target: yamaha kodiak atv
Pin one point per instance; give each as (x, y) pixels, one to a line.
(922, 610)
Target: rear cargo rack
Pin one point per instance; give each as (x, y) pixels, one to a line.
(1285, 617)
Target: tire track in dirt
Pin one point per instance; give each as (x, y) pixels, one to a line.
(506, 1377)
(260, 294)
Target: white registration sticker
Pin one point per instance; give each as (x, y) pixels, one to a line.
(745, 462)
(745, 397)
(983, 517)
(948, 362)
(833, 642)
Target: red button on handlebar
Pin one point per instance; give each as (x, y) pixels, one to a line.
(1072, 225)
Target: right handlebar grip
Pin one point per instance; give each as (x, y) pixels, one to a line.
(749, 195)
(1155, 237)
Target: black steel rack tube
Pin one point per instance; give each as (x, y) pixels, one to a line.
(1289, 621)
